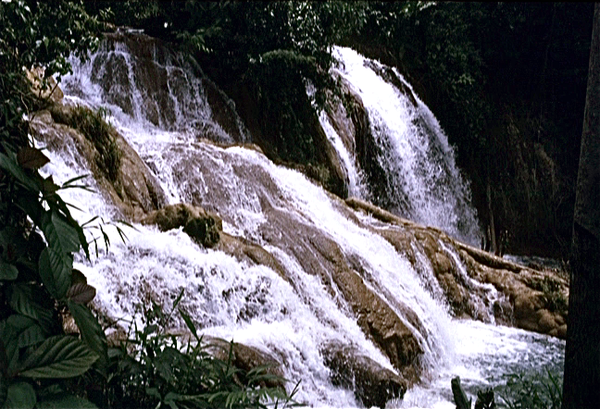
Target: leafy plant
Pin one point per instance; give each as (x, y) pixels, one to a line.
(531, 391)
(154, 368)
(37, 280)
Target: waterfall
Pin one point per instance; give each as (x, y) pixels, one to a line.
(292, 310)
(421, 180)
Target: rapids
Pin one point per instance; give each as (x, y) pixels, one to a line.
(289, 317)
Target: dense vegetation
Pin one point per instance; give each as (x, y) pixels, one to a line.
(507, 82)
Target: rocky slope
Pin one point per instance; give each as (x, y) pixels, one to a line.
(474, 284)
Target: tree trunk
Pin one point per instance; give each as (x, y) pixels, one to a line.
(582, 356)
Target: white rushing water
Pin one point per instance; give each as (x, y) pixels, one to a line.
(293, 318)
(422, 182)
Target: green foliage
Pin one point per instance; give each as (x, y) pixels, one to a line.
(39, 282)
(155, 368)
(554, 298)
(38, 235)
(40, 34)
(95, 127)
(537, 391)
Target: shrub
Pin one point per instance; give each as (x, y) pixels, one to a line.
(532, 391)
(155, 368)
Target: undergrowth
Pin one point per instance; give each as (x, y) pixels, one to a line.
(153, 368)
(531, 391)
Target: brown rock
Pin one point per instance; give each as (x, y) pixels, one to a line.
(204, 227)
(135, 190)
(373, 385)
(46, 91)
(247, 358)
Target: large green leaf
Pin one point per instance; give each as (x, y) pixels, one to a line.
(91, 331)
(9, 350)
(25, 299)
(65, 402)
(31, 158)
(27, 331)
(60, 234)
(55, 271)
(59, 357)
(8, 271)
(12, 167)
(21, 395)
(59, 205)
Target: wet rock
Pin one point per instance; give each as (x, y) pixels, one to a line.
(527, 298)
(135, 191)
(244, 249)
(373, 385)
(202, 226)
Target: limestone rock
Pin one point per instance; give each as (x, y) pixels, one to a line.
(135, 190)
(204, 227)
(373, 385)
(48, 91)
(530, 299)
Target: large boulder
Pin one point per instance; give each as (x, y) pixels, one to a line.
(373, 384)
(247, 358)
(202, 226)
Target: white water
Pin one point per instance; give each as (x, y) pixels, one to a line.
(292, 319)
(355, 178)
(423, 182)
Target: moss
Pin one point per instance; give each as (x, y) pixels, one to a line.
(94, 126)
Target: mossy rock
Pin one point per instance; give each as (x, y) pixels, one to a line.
(202, 226)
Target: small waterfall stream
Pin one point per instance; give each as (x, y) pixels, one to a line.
(289, 318)
(422, 181)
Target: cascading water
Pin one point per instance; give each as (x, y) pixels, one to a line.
(421, 180)
(290, 317)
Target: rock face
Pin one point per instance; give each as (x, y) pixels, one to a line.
(135, 190)
(202, 226)
(474, 284)
(477, 284)
(373, 384)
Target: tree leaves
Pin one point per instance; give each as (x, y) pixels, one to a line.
(24, 299)
(21, 395)
(59, 357)
(91, 331)
(31, 158)
(81, 293)
(28, 332)
(8, 271)
(61, 235)
(55, 271)
(65, 402)
(13, 168)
